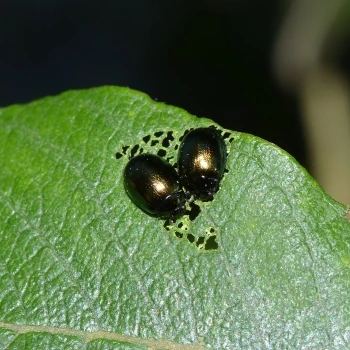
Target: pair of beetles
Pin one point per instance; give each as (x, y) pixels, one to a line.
(158, 189)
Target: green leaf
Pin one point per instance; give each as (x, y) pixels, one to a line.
(82, 267)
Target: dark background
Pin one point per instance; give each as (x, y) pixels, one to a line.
(212, 58)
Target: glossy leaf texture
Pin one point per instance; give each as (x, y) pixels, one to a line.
(81, 267)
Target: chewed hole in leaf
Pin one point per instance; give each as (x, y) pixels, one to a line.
(167, 224)
(169, 160)
(134, 151)
(168, 138)
(211, 243)
(191, 238)
(146, 138)
(184, 134)
(178, 234)
(194, 211)
(154, 142)
(200, 241)
(161, 153)
(226, 135)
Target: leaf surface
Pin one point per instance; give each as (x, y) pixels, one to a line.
(82, 267)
